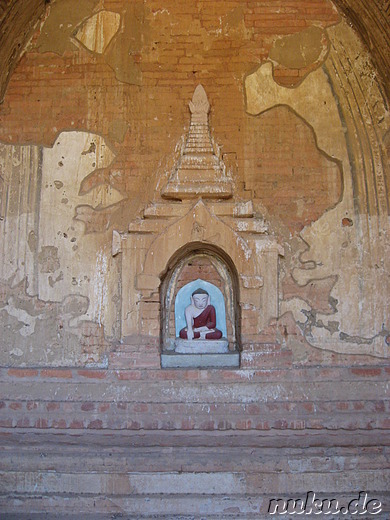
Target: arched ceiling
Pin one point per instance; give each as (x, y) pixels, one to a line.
(371, 19)
(19, 18)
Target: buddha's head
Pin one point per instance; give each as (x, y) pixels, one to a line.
(200, 298)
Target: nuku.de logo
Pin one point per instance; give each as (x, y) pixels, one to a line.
(327, 506)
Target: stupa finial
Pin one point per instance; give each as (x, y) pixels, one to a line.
(199, 106)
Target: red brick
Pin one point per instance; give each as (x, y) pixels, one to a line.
(96, 424)
(135, 425)
(23, 422)
(22, 372)
(15, 406)
(41, 423)
(92, 374)
(132, 375)
(77, 425)
(52, 406)
(309, 407)
(88, 406)
(57, 373)
(59, 423)
(366, 371)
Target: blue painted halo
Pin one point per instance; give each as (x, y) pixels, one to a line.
(183, 299)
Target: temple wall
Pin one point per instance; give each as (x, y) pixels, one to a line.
(91, 126)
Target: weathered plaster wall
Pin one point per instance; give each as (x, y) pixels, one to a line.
(305, 130)
(354, 232)
(92, 124)
(47, 264)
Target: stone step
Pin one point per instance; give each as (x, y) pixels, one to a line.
(81, 482)
(185, 475)
(191, 507)
(168, 391)
(183, 491)
(125, 460)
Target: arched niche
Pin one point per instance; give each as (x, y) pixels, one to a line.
(207, 265)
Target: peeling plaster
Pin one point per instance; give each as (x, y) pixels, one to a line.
(50, 256)
(39, 333)
(304, 51)
(97, 31)
(355, 254)
(64, 16)
(313, 101)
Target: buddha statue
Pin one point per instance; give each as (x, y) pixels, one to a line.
(200, 317)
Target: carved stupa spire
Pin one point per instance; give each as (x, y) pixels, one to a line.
(200, 171)
(199, 138)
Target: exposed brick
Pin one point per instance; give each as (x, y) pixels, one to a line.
(59, 423)
(57, 373)
(366, 371)
(22, 372)
(97, 424)
(132, 375)
(52, 406)
(88, 406)
(23, 422)
(15, 406)
(92, 374)
(42, 422)
(76, 424)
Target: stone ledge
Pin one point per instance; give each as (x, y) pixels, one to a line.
(222, 360)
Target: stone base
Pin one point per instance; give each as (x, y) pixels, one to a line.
(201, 346)
(222, 360)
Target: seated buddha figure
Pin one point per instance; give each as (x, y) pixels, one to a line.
(200, 318)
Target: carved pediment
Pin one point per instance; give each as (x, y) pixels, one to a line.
(198, 225)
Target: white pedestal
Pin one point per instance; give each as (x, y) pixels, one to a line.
(201, 346)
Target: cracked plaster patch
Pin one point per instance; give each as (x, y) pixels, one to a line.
(332, 249)
(64, 17)
(345, 251)
(304, 51)
(313, 100)
(300, 50)
(27, 321)
(97, 32)
(48, 259)
(124, 53)
(52, 252)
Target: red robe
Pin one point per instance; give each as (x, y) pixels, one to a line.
(206, 318)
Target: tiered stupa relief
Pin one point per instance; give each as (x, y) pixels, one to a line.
(195, 227)
(200, 171)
